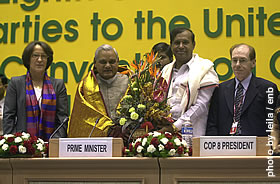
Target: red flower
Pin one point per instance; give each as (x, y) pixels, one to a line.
(158, 96)
(27, 144)
(130, 147)
(13, 149)
(123, 150)
(137, 144)
(180, 150)
(179, 136)
(168, 136)
(149, 124)
(18, 134)
(10, 139)
(155, 141)
(162, 88)
(190, 151)
(146, 135)
(169, 119)
(31, 150)
(169, 146)
(47, 148)
(33, 139)
(30, 141)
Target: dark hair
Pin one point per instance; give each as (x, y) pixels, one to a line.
(26, 55)
(4, 79)
(163, 47)
(252, 52)
(178, 30)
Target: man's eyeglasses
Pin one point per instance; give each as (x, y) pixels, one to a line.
(43, 56)
(241, 60)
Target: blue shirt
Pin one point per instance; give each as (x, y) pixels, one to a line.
(245, 83)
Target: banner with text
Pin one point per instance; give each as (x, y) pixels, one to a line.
(75, 28)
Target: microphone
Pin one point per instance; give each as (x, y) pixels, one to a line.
(58, 128)
(93, 127)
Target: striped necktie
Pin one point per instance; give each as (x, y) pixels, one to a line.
(238, 103)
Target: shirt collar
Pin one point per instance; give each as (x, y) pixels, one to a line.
(185, 66)
(107, 81)
(245, 83)
(190, 61)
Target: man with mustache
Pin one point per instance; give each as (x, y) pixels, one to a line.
(98, 95)
(191, 80)
(244, 104)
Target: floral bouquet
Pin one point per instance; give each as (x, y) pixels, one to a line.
(21, 145)
(145, 104)
(157, 144)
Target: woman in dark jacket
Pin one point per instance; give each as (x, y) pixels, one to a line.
(36, 103)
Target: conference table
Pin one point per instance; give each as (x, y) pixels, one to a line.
(136, 170)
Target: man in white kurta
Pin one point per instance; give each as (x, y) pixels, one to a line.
(191, 81)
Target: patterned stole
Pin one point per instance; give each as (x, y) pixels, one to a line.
(40, 122)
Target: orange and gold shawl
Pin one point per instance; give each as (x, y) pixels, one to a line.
(88, 107)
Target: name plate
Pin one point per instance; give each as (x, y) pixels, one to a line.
(85, 147)
(228, 146)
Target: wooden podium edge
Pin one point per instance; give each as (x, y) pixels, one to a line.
(54, 147)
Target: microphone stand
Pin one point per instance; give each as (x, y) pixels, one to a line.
(58, 128)
(136, 127)
(93, 127)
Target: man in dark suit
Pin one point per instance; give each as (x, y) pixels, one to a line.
(245, 104)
